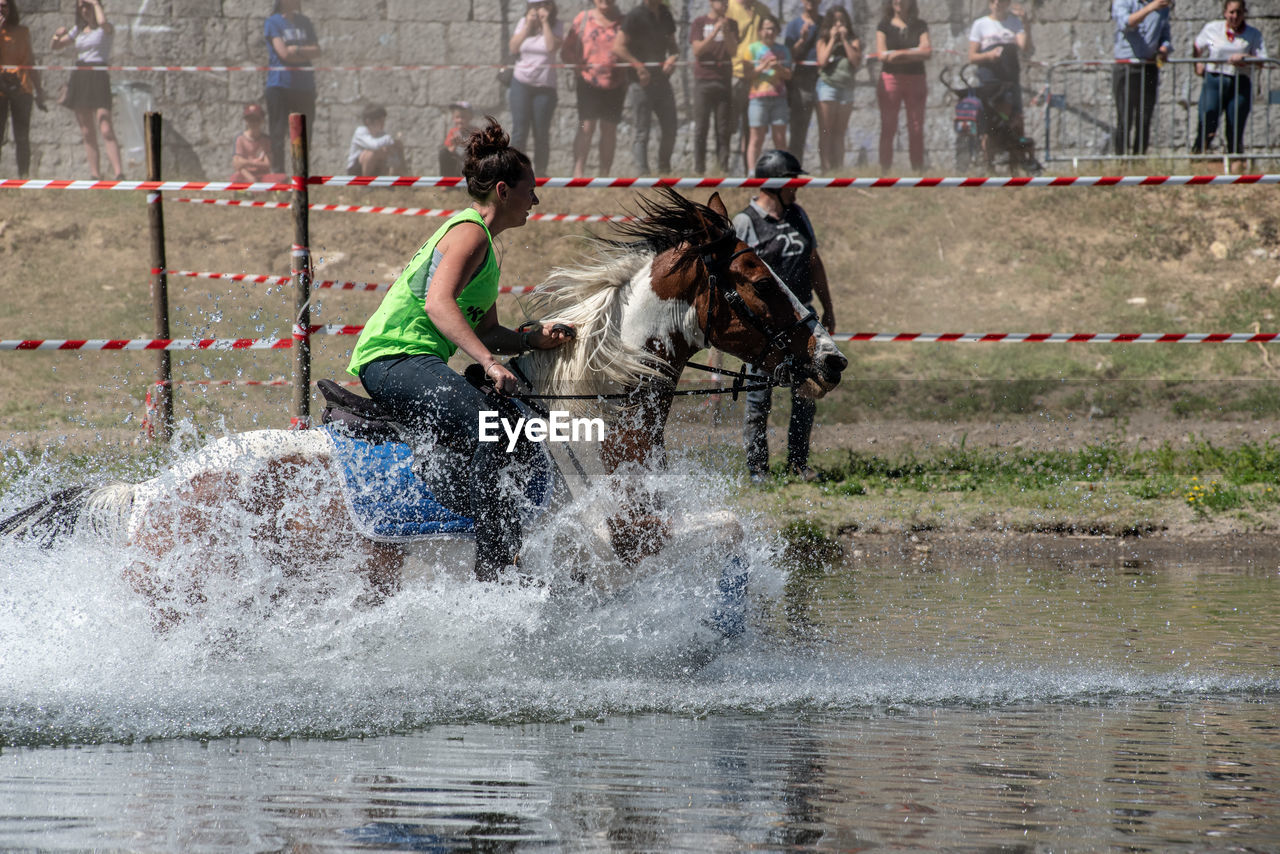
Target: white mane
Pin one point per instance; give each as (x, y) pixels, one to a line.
(592, 297)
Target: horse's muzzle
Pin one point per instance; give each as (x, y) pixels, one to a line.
(821, 375)
(831, 366)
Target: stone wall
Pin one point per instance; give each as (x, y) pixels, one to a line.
(202, 109)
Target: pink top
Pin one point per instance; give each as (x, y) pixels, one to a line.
(600, 68)
(533, 66)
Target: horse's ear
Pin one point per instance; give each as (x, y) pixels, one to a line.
(717, 205)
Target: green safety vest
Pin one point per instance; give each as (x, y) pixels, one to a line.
(400, 326)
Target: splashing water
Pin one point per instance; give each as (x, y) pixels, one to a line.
(272, 653)
(269, 650)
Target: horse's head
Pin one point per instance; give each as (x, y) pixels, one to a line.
(737, 303)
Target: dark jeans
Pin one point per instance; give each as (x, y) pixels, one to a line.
(1134, 88)
(470, 477)
(532, 105)
(801, 99)
(656, 99)
(740, 97)
(711, 98)
(755, 428)
(280, 103)
(1224, 93)
(19, 107)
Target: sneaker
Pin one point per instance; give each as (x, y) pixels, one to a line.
(759, 478)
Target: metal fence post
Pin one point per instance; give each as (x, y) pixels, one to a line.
(161, 424)
(301, 271)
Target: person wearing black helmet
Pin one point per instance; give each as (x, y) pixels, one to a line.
(779, 231)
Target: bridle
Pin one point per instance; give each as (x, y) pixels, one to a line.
(776, 338)
(716, 257)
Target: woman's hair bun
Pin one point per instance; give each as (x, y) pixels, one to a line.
(490, 159)
(488, 140)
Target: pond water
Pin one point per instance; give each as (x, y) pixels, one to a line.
(977, 705)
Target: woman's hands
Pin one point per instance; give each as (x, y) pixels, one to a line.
(503, 380)
(548, 336)
(531, 336)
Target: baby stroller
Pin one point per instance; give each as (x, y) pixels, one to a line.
(987, 109)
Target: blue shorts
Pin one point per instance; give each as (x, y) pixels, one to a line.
(768, 110)
(827, 92)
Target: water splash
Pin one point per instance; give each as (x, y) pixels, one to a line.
(270, 653)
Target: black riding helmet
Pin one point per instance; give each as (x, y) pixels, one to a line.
(776, 163)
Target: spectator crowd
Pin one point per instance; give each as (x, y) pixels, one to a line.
(756, 82)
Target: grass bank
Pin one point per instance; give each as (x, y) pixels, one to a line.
(1106, 489)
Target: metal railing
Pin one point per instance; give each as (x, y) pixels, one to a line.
(1081, 116)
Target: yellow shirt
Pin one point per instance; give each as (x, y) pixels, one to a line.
(747, 14)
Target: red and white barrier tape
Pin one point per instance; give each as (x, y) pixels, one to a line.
(860, 337)
(172, 343)
(161, 186)
(260, 68)
(384, 209)
(382, 181)
(1058, 337)
(857, 183)
(341, 286)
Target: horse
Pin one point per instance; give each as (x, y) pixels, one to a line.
(676, 280)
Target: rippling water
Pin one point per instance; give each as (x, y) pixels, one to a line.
(963, 706)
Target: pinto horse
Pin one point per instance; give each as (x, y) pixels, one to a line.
(675, 281)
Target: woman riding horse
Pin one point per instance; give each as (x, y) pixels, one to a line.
(275, 507)
(445, 301)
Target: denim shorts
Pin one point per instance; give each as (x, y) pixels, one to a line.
(827, 92)
(768, 110)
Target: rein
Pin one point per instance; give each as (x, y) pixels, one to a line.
(738, 386)
(775, 338)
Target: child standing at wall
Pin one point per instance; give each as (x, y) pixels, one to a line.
(768, 71)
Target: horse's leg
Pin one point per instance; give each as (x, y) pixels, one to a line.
(723, 535)
(168, 520)
(326, 531)
(640, 529)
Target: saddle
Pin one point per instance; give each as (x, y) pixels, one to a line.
(357, 416)
(394, 496)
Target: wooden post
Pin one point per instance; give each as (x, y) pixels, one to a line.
(301, 270)
(161, 423)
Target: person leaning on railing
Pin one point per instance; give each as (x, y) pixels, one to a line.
(1143, 40)
(714, 38)
(601, 83)
(291, 83)
(1228, 45)
(88, 93)
(903, 46)
(997, 41)
(19, 87)
(532, 93)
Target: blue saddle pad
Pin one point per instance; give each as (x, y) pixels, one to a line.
(390, 502)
